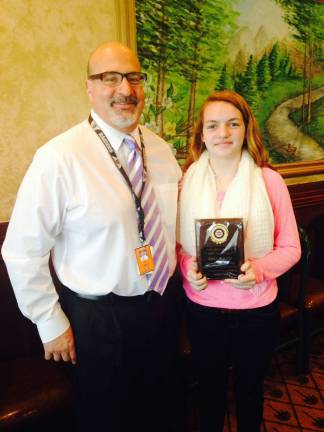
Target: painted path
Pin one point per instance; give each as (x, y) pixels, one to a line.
(285, 135)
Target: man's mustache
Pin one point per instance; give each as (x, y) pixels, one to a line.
(124, 99)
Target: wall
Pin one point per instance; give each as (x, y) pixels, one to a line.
(44, 50)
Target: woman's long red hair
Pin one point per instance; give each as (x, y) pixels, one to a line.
(252, 141)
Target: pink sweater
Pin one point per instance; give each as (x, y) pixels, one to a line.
(286, 252)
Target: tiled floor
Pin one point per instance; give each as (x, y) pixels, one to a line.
(292, 403)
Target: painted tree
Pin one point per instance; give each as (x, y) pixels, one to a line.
(158, 33)
(263, 73)
(249, 87)
(207, 26)
(285, 65)
(238, 83)
(274, 61)
(306, 19)
(225, 81)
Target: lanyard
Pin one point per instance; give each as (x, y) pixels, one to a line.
(111, 151)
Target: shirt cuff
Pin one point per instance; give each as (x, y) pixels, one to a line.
(53, 327)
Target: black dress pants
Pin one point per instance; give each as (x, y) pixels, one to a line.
(243, 339)
(125, 371)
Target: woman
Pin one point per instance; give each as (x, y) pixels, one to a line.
(234, 321)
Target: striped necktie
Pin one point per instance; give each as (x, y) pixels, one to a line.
(153, 230)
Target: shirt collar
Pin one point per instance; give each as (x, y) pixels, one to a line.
(114, 136)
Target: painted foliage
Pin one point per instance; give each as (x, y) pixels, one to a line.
(270, 51)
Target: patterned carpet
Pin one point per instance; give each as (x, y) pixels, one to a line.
(292, 403)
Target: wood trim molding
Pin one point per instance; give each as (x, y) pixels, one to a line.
(3, 230)
(126, 22)
(307, 194)
(299, 169)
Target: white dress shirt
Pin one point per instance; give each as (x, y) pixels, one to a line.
(74, 203)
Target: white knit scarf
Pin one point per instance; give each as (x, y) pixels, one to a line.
(246, 197)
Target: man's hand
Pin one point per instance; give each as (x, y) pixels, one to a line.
(61, 348)
(195, 278)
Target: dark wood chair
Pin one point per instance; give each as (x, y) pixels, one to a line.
(35, 394)
(314, 295)
(292, 291)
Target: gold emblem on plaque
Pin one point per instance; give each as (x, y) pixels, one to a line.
(219, 233)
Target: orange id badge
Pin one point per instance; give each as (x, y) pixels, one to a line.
(144, 259)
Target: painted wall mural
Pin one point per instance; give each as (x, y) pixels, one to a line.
(270, 51)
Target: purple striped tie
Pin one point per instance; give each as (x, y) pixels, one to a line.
(153, 229)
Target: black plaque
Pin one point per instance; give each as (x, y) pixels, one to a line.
(220, 247)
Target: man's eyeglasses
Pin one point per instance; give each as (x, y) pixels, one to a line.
(114, 79)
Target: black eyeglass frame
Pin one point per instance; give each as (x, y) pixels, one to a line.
(143, 76)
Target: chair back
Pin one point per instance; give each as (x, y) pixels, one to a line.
(292, 284)
(19, 336)
(316, 235)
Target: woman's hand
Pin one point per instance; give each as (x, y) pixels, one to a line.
(196, 279)
(246, 279)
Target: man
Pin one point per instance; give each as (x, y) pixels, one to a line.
(96, 200)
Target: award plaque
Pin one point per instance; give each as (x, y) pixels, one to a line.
(220, 247)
